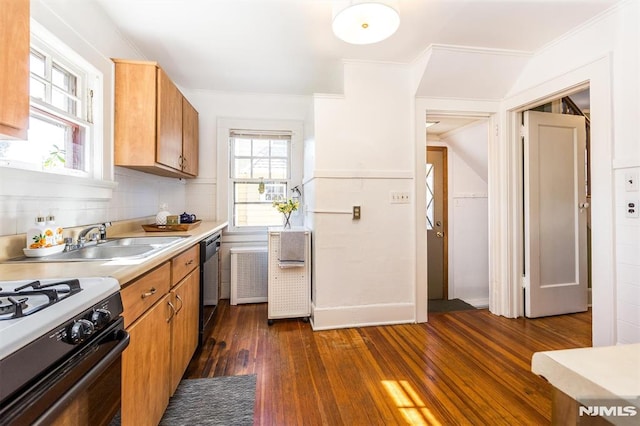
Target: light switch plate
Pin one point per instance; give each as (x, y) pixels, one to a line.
(397, 197)
(356, 213)
(631, 181)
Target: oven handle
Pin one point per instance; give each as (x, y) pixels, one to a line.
(86, 380)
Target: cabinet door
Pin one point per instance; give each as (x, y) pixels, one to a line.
(145, 367)
(135, 114)
(190, 138)
(169, 142)
(184, 327)
(14, 68)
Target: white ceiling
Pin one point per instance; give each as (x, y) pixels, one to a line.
(449, 123)
(287, 47)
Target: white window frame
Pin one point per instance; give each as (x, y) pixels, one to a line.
(263, 135)
(97, 183)
(225, 184)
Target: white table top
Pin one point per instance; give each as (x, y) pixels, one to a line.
(589, 373)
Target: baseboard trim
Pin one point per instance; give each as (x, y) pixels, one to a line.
(361, 316)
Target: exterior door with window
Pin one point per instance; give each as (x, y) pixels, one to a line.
(555, 214)
(436, 186)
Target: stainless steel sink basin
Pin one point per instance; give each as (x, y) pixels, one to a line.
(142, 241)
(114, 249)
(102, 252)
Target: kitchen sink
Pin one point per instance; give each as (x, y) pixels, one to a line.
(112, 249)
(102, 252)
(141, 241)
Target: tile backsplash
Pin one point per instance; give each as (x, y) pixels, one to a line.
(136, 195)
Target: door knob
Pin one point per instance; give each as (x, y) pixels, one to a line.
(440, 234)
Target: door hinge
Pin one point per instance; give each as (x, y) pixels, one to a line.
(497, 130)
(525, 282)
(522, 131)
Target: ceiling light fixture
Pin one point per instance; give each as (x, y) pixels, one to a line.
(365, 21)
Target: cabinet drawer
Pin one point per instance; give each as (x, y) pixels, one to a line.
(184, 263)
(144, 292)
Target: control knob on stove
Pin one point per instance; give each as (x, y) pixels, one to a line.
(100, 317)
(79, 331)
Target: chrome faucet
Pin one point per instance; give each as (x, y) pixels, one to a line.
(102, 228)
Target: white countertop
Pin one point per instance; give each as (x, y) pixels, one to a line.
(608, 372)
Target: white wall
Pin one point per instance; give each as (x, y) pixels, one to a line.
(468, 213)
(364, 269)
(627, 261)
(606, 53)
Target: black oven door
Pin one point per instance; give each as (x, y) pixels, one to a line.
(84, 389)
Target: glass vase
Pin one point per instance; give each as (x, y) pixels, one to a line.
(286, 224)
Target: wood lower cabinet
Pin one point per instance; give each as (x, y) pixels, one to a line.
(14, 69)
(145, 388)
(155, 127)
(161, 312)
(184, 326)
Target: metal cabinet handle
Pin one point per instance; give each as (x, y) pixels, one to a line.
(181, 303)
(189, 262)
(151, 292)
(173, 311)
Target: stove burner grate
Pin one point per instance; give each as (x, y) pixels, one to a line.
(11, 305)
(54, 292)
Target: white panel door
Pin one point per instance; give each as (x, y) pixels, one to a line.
(555, 214)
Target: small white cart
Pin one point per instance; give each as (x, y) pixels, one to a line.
(289, 288)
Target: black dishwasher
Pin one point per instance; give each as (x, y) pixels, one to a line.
(209, 288)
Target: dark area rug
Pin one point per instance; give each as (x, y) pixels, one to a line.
(226, 400)
(448, 306)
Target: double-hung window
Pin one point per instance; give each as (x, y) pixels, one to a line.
(60, 114)
(259, 174)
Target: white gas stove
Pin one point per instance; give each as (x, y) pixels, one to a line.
(30, 308)
(49, 326)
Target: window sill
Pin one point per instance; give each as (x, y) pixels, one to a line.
(32, 183)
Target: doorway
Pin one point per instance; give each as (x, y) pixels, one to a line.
(437, 218)
(556, 207)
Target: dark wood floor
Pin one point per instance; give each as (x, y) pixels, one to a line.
(467, 367)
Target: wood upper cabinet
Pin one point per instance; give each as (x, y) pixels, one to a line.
(14, 69)
(190, 138)
(169, 143)
(150, 126)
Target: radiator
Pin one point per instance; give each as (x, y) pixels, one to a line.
(249, 275)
